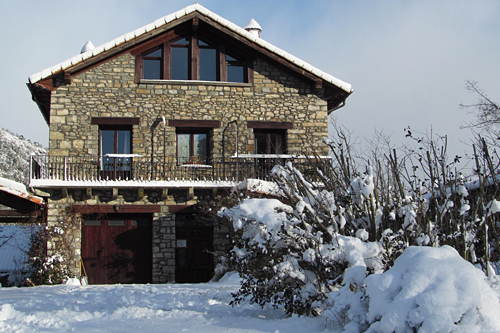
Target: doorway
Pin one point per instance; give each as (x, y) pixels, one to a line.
(117, 248)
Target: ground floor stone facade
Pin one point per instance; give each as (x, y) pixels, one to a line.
(67, 209)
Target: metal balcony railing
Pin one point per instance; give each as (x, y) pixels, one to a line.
(90, 168)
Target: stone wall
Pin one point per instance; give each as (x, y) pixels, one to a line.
(108, 90)
(61, 215)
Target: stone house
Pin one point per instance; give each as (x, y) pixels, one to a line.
(158, 120)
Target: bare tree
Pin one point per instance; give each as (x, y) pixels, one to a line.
(486, 111)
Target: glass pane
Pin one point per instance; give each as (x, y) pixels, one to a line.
(202, 43)
(93, 222)
(277, 143)
(123, 142)
(107, 147)
(123, 163)
(116, 223)
(208, 64)
(229, 58)
(156, 53)
(261, 143)
(200, 148)
(235, 74)
(179, 63)
(152, 69)
(183, 148)
(181, 41)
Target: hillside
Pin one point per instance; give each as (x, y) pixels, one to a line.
(14, 155)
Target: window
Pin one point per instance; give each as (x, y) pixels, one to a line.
(191, 58)
(235, 69)
(270, 136)
(192, 146)
(179, 59)
(194, 140)
(113, 143)
(152, 65)
(270, 141)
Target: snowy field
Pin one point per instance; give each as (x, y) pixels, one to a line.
(163, 308)
(141, 308)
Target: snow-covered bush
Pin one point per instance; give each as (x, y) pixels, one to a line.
(285, 261)
(427, 290)
(292, 252)
(46, 269)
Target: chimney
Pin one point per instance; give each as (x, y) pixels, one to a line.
(253, 28)
(87, 47)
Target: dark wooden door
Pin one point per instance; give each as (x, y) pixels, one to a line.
(194, 258)
(117, 249)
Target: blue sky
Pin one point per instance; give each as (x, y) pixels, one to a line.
(406, 60)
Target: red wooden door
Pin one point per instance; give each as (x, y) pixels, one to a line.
(194, 259)
(117, 249)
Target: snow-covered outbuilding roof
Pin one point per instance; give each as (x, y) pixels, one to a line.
(159, 23)
(10, 188)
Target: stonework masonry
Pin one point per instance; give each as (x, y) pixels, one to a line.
(163, 227)
(108, 90)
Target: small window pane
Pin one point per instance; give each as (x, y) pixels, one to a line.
(183, 147)
(260, 143)
(235, 74)
(179, 63)
(200, 147)
(181, 41)
(156, 53)
(152, 69)
(92, 222)
(277, 143)
(208, 64)
(202, 43)
(107, 147)
(116, 223)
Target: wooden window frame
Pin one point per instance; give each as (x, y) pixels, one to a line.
(193, 60)
(268, 132)
(192, 131)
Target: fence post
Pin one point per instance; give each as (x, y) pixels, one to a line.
(65, 169)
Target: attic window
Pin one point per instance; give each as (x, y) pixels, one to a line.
(192, 58)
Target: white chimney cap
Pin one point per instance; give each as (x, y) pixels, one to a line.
(252, 25)
(87, 47)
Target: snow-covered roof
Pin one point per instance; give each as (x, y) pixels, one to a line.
(18, 190)
(174, 16)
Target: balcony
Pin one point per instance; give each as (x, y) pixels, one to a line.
(137, 171)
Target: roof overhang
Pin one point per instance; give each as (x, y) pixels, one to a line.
(22, 202)
(41, 83)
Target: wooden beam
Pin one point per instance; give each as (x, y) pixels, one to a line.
(169, 35)
(270, 124)
(115, 121)
(115, 193)
(180, 209)
(194, 58)
(195, 24)
(109, 209)
(190, 194)
(140, 193)
(194, 123)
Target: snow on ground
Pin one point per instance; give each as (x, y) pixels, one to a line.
(141, 308)
(434, 290)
